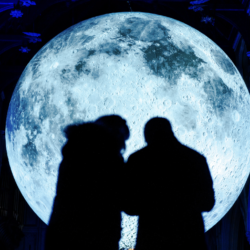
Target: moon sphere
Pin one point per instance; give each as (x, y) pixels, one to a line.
(137, 65)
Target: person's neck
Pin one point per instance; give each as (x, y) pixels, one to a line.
(168, 142)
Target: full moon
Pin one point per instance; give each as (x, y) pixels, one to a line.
(137, 65)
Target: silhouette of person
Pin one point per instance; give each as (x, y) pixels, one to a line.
(86, 210)
(172, 186)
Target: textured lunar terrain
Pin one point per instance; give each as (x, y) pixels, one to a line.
(137, 65)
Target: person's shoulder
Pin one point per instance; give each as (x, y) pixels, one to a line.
(193, 154)
(138, 154)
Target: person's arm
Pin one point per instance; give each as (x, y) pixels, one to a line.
(129, 195)
(204, 186)
(52, 233)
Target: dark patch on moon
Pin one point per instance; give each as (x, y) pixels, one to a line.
(14, 111)
(219, 96)
(80, 67)
(222, 62)
(19, 109)
(65, 71)
(47, 110)
(71, 104)
(132, 27)
(24, 116)
(35, 130)
(69, 76)
(43, 112)
(60, 42)
(10, 125)
(91, 52)
(172, 66)
(140, 29)
(162, 57)
(165, 59)
(29, 153)
(110, 49)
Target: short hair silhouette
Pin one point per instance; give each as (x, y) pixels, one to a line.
(157, 129)
(79, 136)
(117, 126)
(172, 187)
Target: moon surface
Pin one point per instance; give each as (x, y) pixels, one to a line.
(137, 65)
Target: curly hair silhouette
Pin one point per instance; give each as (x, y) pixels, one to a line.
(117, 126)
(87, 205)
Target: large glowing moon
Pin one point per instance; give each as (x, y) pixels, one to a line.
(137, 65)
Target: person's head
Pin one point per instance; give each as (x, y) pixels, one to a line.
(82, 136)
(117, 126)
(157, 131)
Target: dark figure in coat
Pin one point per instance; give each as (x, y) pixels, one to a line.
(171, 187)
(86, 212)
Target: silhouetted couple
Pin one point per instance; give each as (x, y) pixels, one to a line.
(166, 183)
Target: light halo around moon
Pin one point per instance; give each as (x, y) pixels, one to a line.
(137, 65)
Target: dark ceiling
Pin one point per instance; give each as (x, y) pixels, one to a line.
(50, 17)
